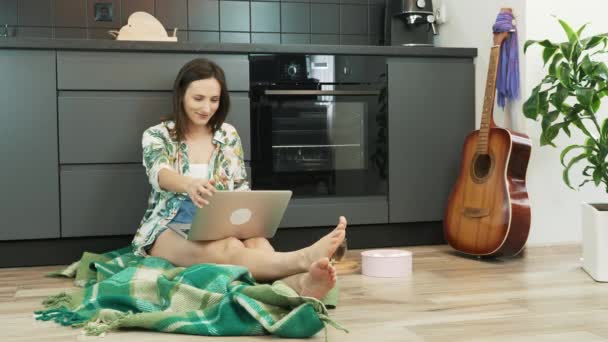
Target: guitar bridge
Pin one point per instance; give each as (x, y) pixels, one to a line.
(475, 212)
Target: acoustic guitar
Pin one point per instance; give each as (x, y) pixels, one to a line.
(488, 211)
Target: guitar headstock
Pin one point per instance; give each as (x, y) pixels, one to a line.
(499, 37)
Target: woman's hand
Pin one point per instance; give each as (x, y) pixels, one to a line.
(199, 190)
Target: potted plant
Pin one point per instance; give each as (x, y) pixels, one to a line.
(569, 98)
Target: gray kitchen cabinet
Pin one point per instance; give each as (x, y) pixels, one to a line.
(248, 170)
(104, 200)
(80, 70)
(107, 126)
(99, 200)
(240, 118)
(28, 136)
(431, 110)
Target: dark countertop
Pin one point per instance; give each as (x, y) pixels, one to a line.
(142, 46)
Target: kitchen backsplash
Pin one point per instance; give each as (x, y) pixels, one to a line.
(346, 22)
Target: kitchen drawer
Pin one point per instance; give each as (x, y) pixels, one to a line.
(80, 70)
(106, 127)
(101, 200)
(315, 212)
(98, 200)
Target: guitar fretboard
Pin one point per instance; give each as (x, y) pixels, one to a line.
(488, 101)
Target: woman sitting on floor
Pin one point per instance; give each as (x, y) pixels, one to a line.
(187, 158)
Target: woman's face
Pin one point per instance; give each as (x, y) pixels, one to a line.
(201, 100)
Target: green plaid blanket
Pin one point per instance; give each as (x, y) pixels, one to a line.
(122, 290)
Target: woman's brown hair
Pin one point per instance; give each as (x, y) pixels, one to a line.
(197, 69)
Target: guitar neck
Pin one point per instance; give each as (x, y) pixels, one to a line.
(488, 102)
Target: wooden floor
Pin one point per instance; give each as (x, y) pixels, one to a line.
(542, 296)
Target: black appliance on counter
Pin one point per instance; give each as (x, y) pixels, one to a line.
(317, 124)
(409, 23)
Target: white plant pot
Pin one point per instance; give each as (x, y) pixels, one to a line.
(595, 240)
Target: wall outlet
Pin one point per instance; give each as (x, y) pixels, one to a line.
(103, 11)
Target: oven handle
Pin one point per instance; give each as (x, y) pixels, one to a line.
(321, 92)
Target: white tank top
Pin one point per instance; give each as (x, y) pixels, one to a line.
(199, 171)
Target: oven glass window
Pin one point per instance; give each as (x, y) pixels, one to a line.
(319, 136)
(320, 139)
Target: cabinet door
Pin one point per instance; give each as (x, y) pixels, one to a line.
(239, 117)
(86, 70)
(102, 199)
(29, 178)
(86, 119)
(106, 127)
(431, 110)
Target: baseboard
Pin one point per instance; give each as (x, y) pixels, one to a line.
(64, 251)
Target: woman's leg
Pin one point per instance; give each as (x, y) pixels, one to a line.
(264, 265)
(258, 243)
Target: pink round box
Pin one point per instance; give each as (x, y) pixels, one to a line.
(387, 263)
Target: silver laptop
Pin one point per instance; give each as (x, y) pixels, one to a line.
(241, 214)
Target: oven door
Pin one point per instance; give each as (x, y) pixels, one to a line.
(318, 142)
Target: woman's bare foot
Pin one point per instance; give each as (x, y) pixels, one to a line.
(326, 246)
(320, 278)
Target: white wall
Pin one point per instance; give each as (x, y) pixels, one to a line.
(555, 208)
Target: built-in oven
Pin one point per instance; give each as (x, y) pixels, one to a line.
(319, 124)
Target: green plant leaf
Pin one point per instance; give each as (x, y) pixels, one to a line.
(559, 96)
(579, 124)
(572, 36)
(528, 43)
(549, 80)
(566, 49)
(586, 170)
(549, 119)
(531, 106)
(565, 174)
(595, 102)
(544, 43)
(549, 134)
(591, 42)
(587, 65)
(566, 130)
(548, 53)
(543, 102)
(563, 74)
(552, 67)
(562, 155)
(604, 129)
(577, 49)
(601, 71)
(552, 115)
(597, 176)
(585, 96)
(581, 29)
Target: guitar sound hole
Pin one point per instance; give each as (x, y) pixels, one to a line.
(482, 166)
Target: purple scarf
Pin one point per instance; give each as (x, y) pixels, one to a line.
(507, 80)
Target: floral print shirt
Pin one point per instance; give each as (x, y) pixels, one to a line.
(160, 151)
